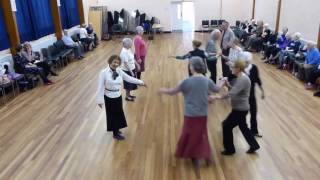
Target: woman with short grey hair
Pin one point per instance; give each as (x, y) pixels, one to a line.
(129, 66)
(211, 50)
(194, 142)
(140, 50)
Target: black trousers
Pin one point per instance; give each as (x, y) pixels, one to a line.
(225, 67)
(45, 67)
(212, 66)
(253, 114)
(237, 118)
(314, 75)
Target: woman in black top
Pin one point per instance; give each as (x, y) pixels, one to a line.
(253, 73)
(196, 52)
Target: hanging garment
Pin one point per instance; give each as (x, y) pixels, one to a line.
(116, 17)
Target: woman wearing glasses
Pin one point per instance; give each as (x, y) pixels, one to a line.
(109, 94)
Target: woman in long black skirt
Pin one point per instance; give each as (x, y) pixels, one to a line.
(109, 93)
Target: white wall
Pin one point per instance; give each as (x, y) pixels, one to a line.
(297, 15)
(266, 10)
(301, 16)
(204, 9)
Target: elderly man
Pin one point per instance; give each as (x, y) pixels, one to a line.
(311, 65)
(312, 60)
(226, 42)
(67, 40)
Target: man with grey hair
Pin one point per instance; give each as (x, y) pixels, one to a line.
(311, 64)
(226, 41)
(67, 40)
(211, 50)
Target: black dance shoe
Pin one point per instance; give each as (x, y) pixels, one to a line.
(227, 153)
(252, 150)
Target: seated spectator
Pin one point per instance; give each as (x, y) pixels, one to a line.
(92, 34)
(23, 66)
(252, 26)
(274, 43)
(314, 75)
(76, 46)
(35, 59)
(290, 51)
(312, 60)
(280, 45)
(85, 38)
(256, 38)
(266, 36)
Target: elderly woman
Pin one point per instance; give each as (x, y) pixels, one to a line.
(109, 94)
(193, 142)
(289, 53)
(211, 50)
(128, 65)
(252, 72)
(239, 95)
(140, 50)
(23, 66)
(34, 58)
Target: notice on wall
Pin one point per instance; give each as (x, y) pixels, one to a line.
(13, 5)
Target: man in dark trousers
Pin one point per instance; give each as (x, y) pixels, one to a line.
(226, 41)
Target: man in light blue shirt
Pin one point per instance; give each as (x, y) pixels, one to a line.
(311, 63)
(67, 40)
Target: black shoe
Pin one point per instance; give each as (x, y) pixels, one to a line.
(227, 153)
(118, 137)
(252, 150)
(129, 99)
(257, 135)
(133, 97)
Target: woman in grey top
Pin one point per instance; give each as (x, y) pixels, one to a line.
(239, 95)
(211, 50)
(193, 142)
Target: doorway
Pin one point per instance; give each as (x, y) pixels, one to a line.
(182, 16)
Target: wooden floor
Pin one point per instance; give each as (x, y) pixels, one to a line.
(58, 131)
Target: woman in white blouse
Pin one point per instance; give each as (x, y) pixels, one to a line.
(109, 93)
(128, 65)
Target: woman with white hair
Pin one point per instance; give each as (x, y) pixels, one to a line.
(239, 95)
(128, 65)
(194, 141)
(211, 50)
(140, 50)
(290, 51)
(252, 72)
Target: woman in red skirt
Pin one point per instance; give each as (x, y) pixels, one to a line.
(193, 142)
